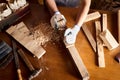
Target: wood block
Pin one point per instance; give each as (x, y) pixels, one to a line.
(92, 16)
(119, 26)
(78, 61)
(109, 40)
(100, 51)
(104, 22)
(22, 35)
(90, 37)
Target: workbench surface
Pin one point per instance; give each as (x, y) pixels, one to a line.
(57, 63)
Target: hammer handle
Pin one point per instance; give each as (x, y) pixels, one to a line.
(19, 74)
(25, 59)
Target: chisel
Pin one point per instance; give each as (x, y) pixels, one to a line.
(16, 60)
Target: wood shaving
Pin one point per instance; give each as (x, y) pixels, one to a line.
(44, 33)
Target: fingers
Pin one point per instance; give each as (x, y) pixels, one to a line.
(67, 31)
(70, 36)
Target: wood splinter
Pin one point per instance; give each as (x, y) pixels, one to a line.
(34, 72)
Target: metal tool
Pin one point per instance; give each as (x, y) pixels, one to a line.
(35, 72)
(5, 55)
(16, 60)
(5, 49)
(7, 59)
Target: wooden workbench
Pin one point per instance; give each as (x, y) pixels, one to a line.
(57, 64)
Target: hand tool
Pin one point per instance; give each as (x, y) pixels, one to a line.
(7, 59)
(16, 60)
(29, 65)
(4, 49)
(3, 46)
(2, 43)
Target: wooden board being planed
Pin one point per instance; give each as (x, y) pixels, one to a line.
(77, 60)
(23, 36)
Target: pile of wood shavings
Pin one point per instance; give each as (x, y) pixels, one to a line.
(44, 33)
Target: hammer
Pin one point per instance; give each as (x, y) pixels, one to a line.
(29, 65)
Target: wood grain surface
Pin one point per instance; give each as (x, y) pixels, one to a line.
(21, 33)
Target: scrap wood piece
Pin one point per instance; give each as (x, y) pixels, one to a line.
(92, 16)
(78, 61)
(90, 37)
(104, 22)
(108, 39)
(100, 51)
(23, 36)
(119, 26)
(88, 34)
(34, 72)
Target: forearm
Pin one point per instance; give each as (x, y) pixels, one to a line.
(83, 11)
(52, 6)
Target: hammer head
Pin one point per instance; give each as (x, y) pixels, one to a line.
(34, 74)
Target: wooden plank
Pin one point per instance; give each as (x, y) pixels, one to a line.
(108, 40)
(78, 61)
(100, 51)
(22, 35)
(104, 22)
(119, 26)
(92, 16)
(90, 37)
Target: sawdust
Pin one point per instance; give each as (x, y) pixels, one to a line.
(44, 33)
